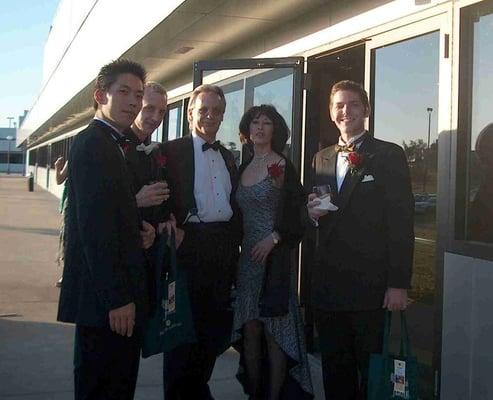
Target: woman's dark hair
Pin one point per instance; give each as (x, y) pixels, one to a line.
(280, 133)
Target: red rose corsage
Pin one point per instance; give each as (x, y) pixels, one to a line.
(355, 161)
(275, 170)
(161, 160)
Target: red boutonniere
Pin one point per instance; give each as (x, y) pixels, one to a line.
(161, 160)
(125, 147)
(355, 161)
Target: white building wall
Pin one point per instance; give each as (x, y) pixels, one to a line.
(83, 38)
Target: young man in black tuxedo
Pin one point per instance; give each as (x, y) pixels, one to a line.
(203, 179)
(365, 253)
(144, 161)
(104, 290)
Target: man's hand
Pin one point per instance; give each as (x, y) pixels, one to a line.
(314, 213)
(152, 195)
(147, 235)
(262, 249)
(168, 226)
(59, 163)
(122, 320)
(395, 299)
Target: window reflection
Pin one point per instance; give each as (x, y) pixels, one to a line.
(228, 132)
(264, 86)
(275, 87)
(480, 221)
(174, 123)
(480, 208)
(405, 91)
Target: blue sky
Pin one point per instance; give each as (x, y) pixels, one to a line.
(24, 27)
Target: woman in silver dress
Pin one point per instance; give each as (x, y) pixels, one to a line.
(268, 329)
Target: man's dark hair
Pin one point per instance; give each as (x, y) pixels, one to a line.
(352, 87)
(109, 74)
(280, 133)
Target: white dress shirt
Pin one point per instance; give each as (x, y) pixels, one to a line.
(342, 163)
(212, 184)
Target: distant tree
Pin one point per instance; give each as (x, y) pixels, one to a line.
(415, 151)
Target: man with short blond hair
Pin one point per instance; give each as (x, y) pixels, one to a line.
(142, 155)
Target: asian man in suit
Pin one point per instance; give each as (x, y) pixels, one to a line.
(365, 253)
(104, 289)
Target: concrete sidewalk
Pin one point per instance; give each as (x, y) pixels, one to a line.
(35, 350)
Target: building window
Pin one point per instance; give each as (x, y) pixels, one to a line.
(173, 121)
(474, 209)
(32, 157)
(42, 156)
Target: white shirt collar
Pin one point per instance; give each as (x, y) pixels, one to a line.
(198, 139)
(351, 140)
(109, 124)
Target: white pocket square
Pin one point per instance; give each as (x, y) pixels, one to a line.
(368, 178)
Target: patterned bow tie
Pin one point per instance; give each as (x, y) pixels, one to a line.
(348, 148)
(147, 149)
(214, 146)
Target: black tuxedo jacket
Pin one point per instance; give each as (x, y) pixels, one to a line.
(367, 245)
(181, 173)
(104, 266)
(144, 169)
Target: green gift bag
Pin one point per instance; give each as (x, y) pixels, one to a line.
(392, 377)
(171, 324)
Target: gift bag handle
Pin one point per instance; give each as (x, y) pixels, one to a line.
(405, 344)
(405, 348)
(386, 333)
(171, 243)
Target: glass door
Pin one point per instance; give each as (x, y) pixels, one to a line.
(404, 78)
(249, 82)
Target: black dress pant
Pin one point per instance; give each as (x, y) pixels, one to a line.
(105, 364)
(347, 338)
(209, 256)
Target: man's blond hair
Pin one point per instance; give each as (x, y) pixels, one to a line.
(156, 88)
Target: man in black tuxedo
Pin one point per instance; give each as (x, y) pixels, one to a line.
(104, 290)
(143, 156)
(203, 179)
(365, 253)
(144, 161)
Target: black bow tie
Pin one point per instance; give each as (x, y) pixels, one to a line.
(214, 146)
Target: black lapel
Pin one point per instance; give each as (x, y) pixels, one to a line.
(110, 136)
(353, 179)
(188, 169)
(329, 162)
(230, 165)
